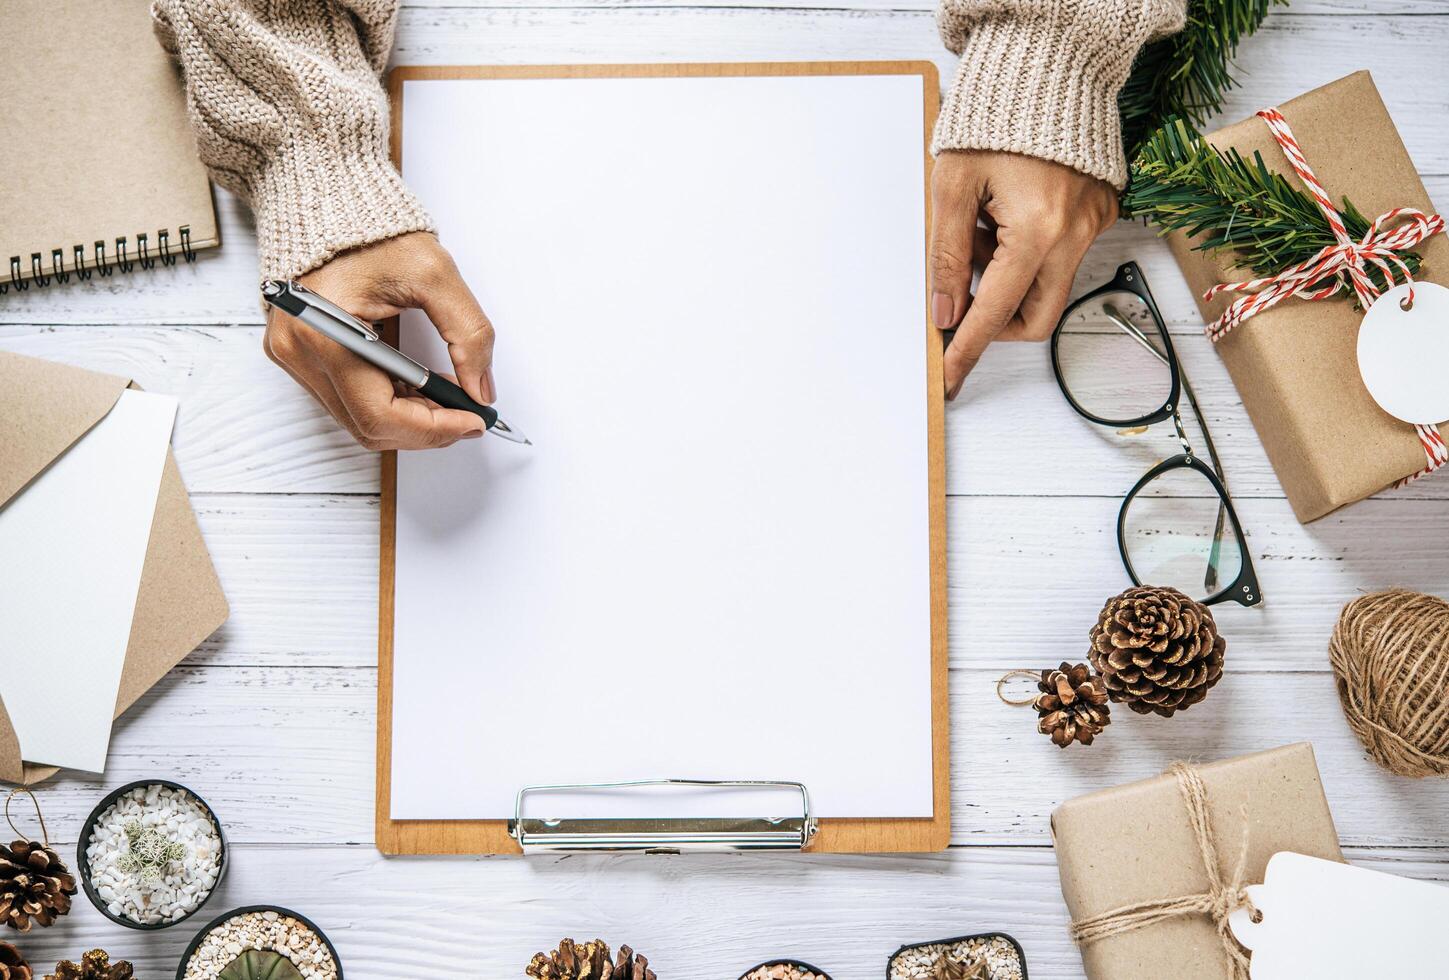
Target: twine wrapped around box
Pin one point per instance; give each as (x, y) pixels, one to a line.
(1149, 869)
(1223, 897)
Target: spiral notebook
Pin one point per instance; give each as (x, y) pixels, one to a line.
(101, 173)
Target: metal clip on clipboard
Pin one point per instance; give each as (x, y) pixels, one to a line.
(664, 835)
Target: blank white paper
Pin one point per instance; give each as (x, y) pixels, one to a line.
(72, 547)
(714, 560)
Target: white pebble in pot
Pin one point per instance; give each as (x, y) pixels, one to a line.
(266, 930)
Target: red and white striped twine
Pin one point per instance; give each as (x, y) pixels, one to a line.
(1345, 263)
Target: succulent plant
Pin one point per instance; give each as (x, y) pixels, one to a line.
(149, 853)
(260, 964)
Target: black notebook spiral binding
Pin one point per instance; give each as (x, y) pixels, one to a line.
(125, 258)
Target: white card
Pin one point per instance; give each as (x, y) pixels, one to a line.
(1333, 921)
(72, 546)
(1403, 355)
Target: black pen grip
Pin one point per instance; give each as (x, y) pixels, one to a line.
(449, 395)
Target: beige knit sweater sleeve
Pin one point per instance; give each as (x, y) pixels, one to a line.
(1041, 77)
(289, 112)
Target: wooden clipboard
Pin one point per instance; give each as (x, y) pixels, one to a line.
(835, 835)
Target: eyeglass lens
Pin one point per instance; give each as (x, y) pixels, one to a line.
(1176, 532)
(1111, 358)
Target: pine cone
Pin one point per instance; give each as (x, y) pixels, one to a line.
(1072, 706)
(1157, 650)
(13, 965)
(34, 885)
(949, 968)
(94, 965)
(589, 961)
(632, 966)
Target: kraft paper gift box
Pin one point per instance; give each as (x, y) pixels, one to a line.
(1295, 366)
(45, 408)
(1134, 843)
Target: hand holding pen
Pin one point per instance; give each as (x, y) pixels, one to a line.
(374, 283)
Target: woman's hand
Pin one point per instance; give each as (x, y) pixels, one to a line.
(1041, 218)
(374, 283)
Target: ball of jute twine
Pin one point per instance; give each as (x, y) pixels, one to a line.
(1390, 656)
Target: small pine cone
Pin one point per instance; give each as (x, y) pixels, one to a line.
(1157, 650)
(94, 965)
(35, 885)
(1072, 705)
(13, 965)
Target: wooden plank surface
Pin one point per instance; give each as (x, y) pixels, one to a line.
(284, 754)
(272, 719)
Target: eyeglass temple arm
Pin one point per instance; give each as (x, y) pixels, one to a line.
(1131, 329)
(1210, 579)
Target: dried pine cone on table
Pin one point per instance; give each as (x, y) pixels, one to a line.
(13, 965)
(1072, 706)
(589, 961)
(631, 966)
(1158, 651)
(94, 965)
(35, 885)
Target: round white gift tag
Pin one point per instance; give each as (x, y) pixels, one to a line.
(1403, 354)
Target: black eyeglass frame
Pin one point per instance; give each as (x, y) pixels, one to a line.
(1129, 278)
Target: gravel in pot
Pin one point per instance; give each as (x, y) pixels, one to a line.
(260, 942)
(989, 956)
(785, 970)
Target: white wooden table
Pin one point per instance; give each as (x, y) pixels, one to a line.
(272, 719)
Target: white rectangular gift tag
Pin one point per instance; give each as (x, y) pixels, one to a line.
(1333, 921)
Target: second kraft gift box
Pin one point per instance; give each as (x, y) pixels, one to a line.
(1135, 844)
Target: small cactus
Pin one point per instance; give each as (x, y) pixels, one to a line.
(260, 964)
(149, 853)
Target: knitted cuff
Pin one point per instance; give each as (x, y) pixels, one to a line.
(1034, 88)
(318, 197)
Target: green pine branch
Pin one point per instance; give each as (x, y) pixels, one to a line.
(1187, 75)
(1180, 182)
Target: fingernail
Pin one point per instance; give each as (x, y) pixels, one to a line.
(490, 391)
(475, 434)
(941, 308)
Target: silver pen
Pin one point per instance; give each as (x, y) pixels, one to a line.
(362, 339)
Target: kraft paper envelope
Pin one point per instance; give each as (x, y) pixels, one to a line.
(44, 408)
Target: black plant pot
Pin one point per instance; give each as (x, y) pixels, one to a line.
(1020, 954)
(83, 863)
(192, 946)
(798, 964)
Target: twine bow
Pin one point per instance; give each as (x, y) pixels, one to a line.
(1222, 898)
(1344, 263)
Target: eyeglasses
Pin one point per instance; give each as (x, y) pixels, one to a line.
(1114, 361)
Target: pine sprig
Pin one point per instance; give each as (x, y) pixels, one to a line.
(1181, 182)
(1187, 75)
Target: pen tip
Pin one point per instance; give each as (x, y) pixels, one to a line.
(528, 442)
